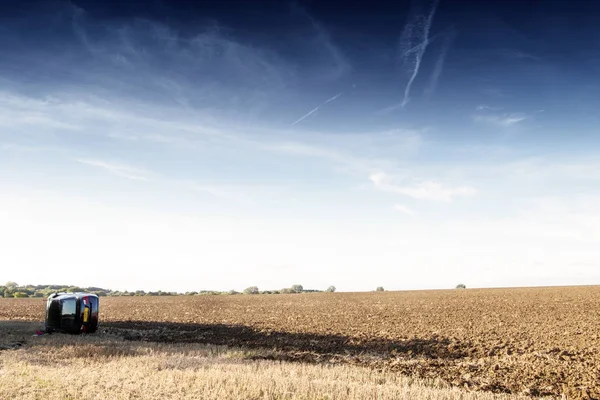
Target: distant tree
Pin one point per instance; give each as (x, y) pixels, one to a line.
(140, 293)
(330, 289)
(379, 289)
(37, 293)
(297, 288)
(93, 289)
(286, 290)
(461, 286)
(233, 292)
(11, 284)
(20, 294)
(251, 290)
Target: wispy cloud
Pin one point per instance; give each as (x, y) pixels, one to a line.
(124, 171)
(247, 72)
(308, 114)
(505, 120)
(517, 54)
(353, 150)
(333, 98)
(423, 190)
(314, 110)
(483, 107)
(404, 209)
(18, 112)
(439, 65)
(331, 154)
(358, 154)
(421, 45)
(234, 193)
(389, 109)
(413, 44)
(341, 66)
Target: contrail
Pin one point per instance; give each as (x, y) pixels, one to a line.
(419, 50)
(309, 113)
(439, 65)
(317, 107)
(410, 81)
(426, 43)
(333, 98)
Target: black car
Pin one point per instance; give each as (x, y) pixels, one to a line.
(72, 313)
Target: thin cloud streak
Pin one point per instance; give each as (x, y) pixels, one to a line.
(407, 50)
(314, 110)
(439, 65)
(517, 54)
(333, 98)
(389, 109)
(121, 170)
(424, 190)
(421, 46)
(342, 66)
(404, 209)
(505, 121)
(482, 107)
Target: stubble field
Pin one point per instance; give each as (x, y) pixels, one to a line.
(526, 341)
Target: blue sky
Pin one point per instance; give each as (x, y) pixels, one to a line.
(180, 146)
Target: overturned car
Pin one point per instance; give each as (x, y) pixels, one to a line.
(72, 313)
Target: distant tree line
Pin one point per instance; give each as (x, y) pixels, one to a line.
(12, 289)
(292, 289)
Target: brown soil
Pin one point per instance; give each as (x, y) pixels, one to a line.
(536, 341)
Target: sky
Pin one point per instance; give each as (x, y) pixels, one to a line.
(216, 145)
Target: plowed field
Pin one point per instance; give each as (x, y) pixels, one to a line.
(536, 341)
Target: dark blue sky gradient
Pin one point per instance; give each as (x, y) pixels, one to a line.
(528, 49)
(539, 59)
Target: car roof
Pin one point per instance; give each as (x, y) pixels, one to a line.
(66, 295)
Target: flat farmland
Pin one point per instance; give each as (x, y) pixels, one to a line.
(528, 341)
